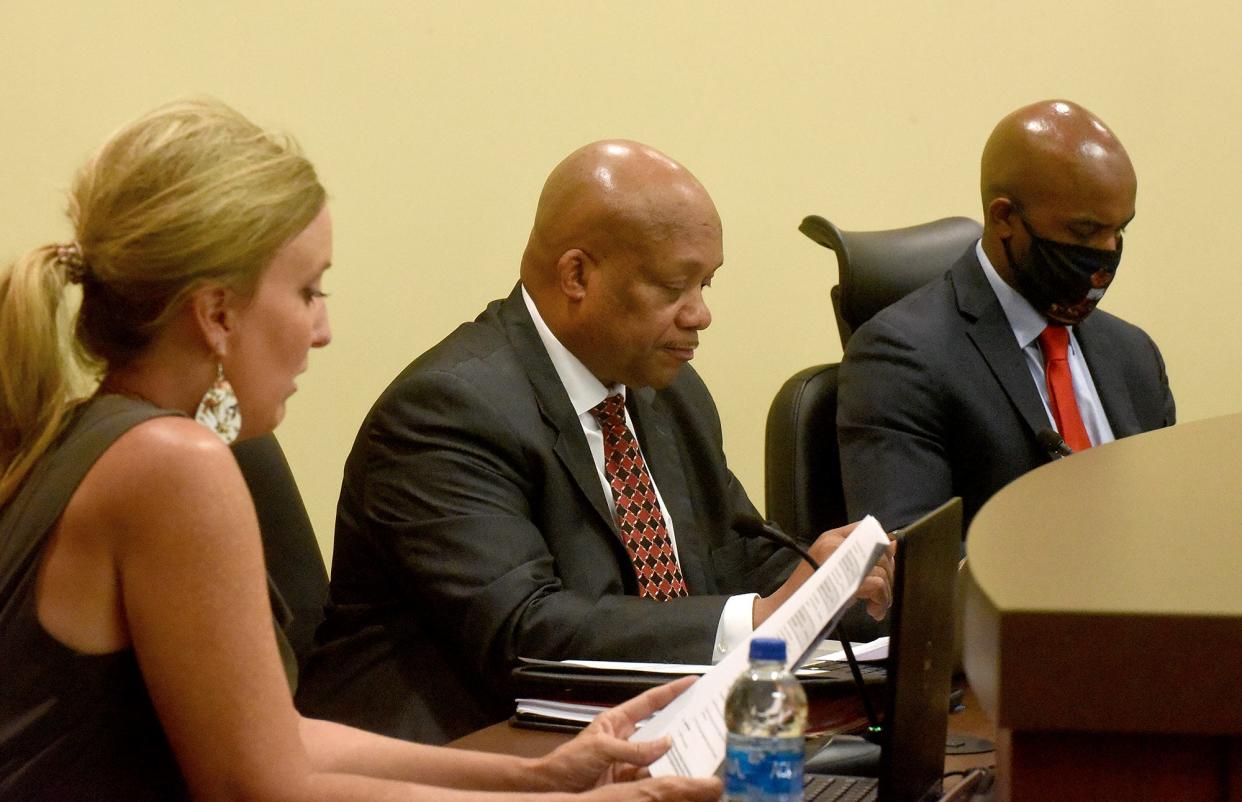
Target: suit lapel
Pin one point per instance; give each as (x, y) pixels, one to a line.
(1106, 373)
(663, 458)
(989, 329)
(571, 446)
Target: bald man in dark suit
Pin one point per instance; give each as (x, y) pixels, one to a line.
(549, 481)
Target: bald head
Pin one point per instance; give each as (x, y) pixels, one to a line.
(1053, 176)
(1053, 170)
(1048, 150)
(611, 196)
(624, 243)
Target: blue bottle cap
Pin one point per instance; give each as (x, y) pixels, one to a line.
(767, 649)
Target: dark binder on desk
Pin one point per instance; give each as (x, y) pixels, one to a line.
(562, 682)
(533, 721)
(832, 699)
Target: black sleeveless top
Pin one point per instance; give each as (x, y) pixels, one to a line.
(72, 726)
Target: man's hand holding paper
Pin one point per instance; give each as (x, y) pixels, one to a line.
(695, 722)
(876, 588)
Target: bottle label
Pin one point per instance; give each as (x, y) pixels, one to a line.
(761, 769)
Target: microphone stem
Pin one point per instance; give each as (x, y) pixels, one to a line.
(868, 710)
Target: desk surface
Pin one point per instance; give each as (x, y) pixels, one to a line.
(1100, 532)
(532, 743)
(1103, 591)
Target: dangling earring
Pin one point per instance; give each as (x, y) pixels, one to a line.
(218, 410)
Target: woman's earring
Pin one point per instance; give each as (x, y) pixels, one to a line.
(218, 410)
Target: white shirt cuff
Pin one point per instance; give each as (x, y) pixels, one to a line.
(735, 624)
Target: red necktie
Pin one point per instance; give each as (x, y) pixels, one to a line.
(1054, 342)
(638, 511)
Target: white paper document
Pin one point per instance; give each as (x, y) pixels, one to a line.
(814, 667)
(645, 668)
(695, 720)
(871, 650)
(566, 712)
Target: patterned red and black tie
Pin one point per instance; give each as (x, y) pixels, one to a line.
(639, 518)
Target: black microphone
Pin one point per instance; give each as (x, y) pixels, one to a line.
(752, 526)
(1053, 443)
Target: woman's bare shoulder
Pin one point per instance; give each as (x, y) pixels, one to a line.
(164, 468)
(167, 449)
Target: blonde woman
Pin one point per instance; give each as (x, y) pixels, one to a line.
(136, 641)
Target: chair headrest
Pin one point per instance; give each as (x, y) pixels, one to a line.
(879, 267)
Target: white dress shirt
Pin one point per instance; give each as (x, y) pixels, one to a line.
(585, 392)
(1027, 324)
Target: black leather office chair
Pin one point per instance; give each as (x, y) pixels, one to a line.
(295, 565)
(802, 468)
(802, 464)
(878, 267)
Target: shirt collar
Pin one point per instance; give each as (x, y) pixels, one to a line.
(585, 391)
(1026, 322)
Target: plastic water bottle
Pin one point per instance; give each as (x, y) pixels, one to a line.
(765, 715)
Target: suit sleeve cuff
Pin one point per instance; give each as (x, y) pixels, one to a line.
(735, 624)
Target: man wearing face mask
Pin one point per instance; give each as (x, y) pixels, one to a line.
(944, 393)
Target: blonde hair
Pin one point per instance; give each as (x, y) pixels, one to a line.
(190, 194)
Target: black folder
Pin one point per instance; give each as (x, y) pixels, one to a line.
(833, 699)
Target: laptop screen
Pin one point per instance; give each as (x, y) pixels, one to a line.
(920, 664)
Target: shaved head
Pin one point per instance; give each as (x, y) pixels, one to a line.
(624, 242)
(1053, 171)
(1047, 150)
(610, 196)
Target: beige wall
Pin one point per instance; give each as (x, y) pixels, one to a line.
(433, 126)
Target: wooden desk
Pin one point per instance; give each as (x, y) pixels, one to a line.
(1103, 624)
(532, 743)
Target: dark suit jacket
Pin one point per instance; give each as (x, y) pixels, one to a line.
(937, 401)
(473, 530)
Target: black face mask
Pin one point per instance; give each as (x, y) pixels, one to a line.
(1063, 282)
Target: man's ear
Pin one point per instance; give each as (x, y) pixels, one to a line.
(573, 271)
(999, 215)
(214, 310)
